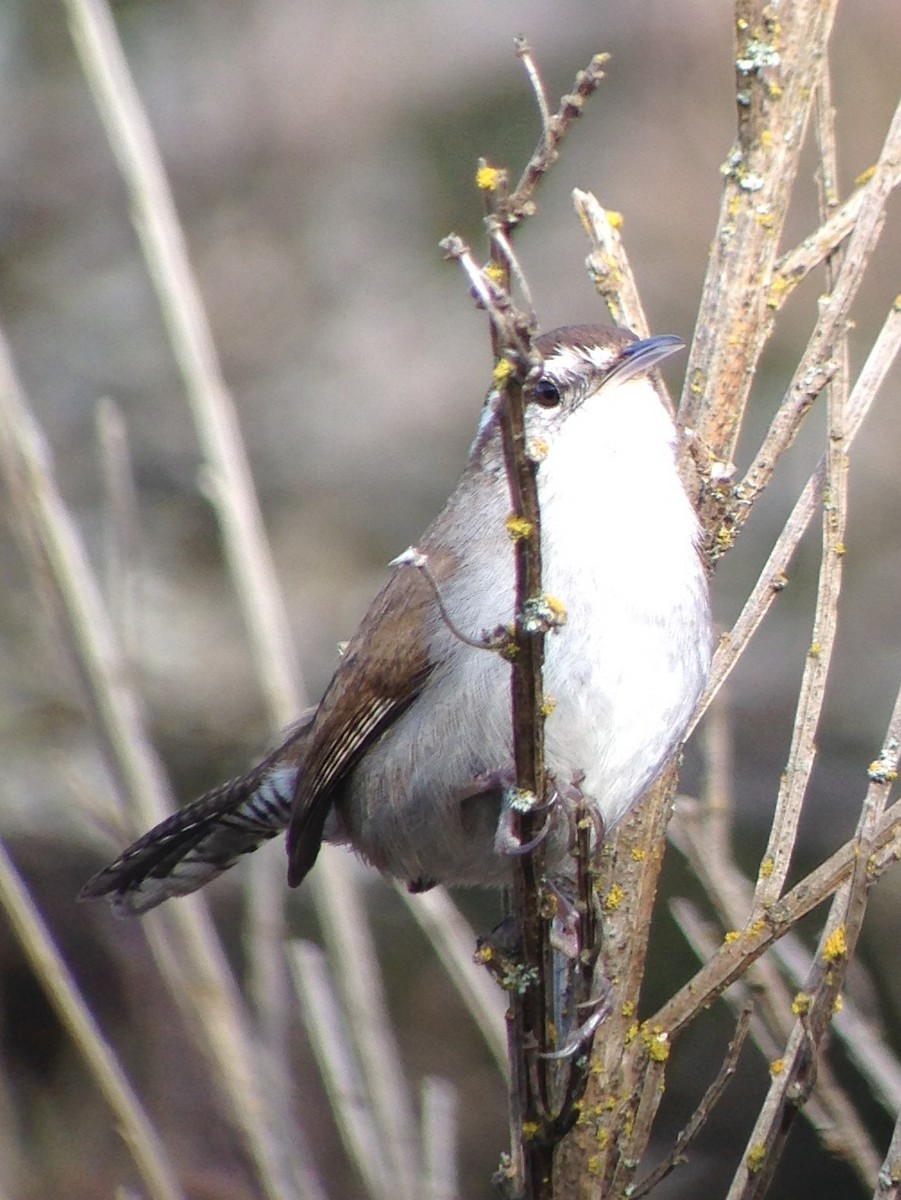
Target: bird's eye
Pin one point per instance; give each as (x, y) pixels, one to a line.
(547, 393)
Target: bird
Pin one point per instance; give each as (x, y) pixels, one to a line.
(408, 756)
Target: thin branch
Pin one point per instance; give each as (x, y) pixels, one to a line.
(795, 778)
(795, 265)
(54, 977)
(354, 966)
(184, 941)
(778, 63)
(227, 473)
(816, 1005)
(347, 1094)
(702, 1113)
(608, 265)
(524, 54)
(520, 203)
(829, 1111)
(773, 576)
(452, 938)
(734, 957)
(888, 1184)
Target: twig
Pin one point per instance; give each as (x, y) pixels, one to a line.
(184, 941)
(554, 129)
(53, 974)
(227, 473)
(355, 969)
(524, 54)
(608, 266)
(734, 956)
(347, 1094)
(795, 265)
(452, 938)
(815, 1005)
(773, 578)
(829, 1111)
(888, 1184)
(799, 767)
(702, 1113)
(778, 63)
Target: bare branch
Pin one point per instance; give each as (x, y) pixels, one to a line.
(702, 1113)
(773, 576)
(339, 1070)
(888, 1184)
(52, 973)
(608, 266)
(226, 471)
(778, 64)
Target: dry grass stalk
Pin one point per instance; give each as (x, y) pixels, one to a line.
(156, 1171)
(782, 77)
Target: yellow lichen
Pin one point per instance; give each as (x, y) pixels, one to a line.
(865, 176)
(557, 607)
(756, 1157)
(518, 527)
(836, 946)
(614, 219)
(777, 1066)
(767, 867)
(501, 373)
(487, 178)
(801, 1004)
(732, 936)
(656, 1043)
(614, 898)
(495, 272)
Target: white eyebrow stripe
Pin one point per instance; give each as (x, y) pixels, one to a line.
(567, 361)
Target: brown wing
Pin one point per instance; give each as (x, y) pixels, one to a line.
(382, 672)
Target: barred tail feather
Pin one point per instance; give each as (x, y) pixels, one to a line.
(199, 842)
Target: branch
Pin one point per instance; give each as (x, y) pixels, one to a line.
(702, 1113)
(737, 953)
(778, 63)
(773, 576)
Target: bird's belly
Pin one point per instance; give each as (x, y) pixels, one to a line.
(423, 805)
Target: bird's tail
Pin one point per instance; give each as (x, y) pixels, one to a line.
(199, 842)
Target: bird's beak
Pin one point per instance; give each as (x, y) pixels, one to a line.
(640, 356)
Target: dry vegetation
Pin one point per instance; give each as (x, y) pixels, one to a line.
(783, 977)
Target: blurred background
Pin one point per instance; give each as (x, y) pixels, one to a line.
(318, 152)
